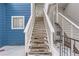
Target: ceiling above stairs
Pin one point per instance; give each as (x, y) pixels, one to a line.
(62, 5)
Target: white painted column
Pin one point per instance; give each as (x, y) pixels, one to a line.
(46, 7)
(72, 41)
(57, 12)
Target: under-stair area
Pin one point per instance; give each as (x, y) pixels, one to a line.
(39, 43)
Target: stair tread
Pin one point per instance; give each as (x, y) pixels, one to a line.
(38, 40)
(39, 50)
(41, 53)
(37, 47)
(36, 31)
(44, 34)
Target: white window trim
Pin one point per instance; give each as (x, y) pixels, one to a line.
(12, 22)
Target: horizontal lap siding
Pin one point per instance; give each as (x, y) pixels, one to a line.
(3, 37)
(16, 37)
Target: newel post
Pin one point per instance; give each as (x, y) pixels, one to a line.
(52, 42)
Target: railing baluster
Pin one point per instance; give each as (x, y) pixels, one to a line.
(62, 42)
(64, 46)
(60, 45)
(70, 47)
(74, 48)
(60, 49)
(67, 50)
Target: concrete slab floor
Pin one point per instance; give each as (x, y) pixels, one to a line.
(12, 51)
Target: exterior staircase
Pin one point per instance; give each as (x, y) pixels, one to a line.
(42, 39)
(39, 42)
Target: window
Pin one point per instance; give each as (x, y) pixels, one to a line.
(17, 22)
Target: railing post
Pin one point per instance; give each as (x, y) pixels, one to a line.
(62, 42)
(51, 39)
(26, 45)
(72, 42)
(57, 12)
(74, 48)
(63, 46)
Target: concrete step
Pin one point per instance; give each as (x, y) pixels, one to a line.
(38, 44)
(39, 50)
(40, 53)
(39, 27)
(39, 40)
(39, 31)
(39, 34)
(38, 37)
(37, 47)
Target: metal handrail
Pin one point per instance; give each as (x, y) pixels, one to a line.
(70, 38)
(71, 48)
(68, 20)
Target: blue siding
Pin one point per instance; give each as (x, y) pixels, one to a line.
(16, 37)
(7, 35)
(2, 25)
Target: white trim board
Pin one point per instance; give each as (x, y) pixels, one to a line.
(12, 22)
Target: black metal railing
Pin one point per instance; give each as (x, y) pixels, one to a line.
(68, 46)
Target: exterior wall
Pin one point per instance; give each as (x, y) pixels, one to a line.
(10, 36)
(16, 37)
(52, 13)
(72, 11)
(2, 25)
(46, 7)
(39, 11)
